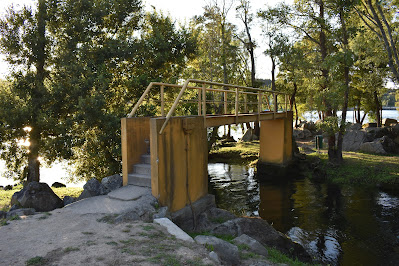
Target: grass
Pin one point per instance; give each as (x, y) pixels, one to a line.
(361, 168)
(36, 261)
(5, 195)
(238, 153)
(276, 256)
(71, 249)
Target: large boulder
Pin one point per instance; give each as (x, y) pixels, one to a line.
(353, 139)
(302, 133)
(228, 253)
(93, 188)
(248, 135)
(389, 145)
(355, 126)
(58, 185)
(20, 212)
(265, 234)
(374, 147)
(253, 245)
(112, 182)
(387, 122)
(38, 196)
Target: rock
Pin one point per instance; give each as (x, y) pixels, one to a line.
(389, 145)
(57, 185)
(68, 200)
(367, 125)
(395, 130)
(1, 187)
(374, 147)
(142, 211)
(396, 140)
(248, 135)
(215, 257)
(93, 188)
(309, 126)
(3, 215)
(253, 245)
(38, 196)
(227, 253)
(173, 229)
(211, 218)
(265, 234)
(162, 212)
(184, 219)
(14, 207)
(112, 182)
(387, 122)
(8, 187)
(21, 212)
(353, 139)
(356, 126)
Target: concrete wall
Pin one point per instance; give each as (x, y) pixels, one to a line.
(134, 132)
(276, 140)
(179, 159)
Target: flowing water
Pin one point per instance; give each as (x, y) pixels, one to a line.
(338, 225)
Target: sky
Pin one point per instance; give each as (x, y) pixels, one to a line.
(181, 11)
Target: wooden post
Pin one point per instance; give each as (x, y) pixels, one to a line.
(199, 101)
(259, 104)
(245, 103)
(162, 101)
(236, 107)
(225, 102)
(204, 102)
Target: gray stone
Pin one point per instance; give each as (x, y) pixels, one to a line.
(142, 210)
(93, 188)
(248, 135)
(227, 253)
(57, 185)
(211, 218)
(309, 126)
(173, 229)
(38, 196)
(21, 212)
(389, 145)
(353, 139)
(252, 244)
(265, 234)
(374, 147)
(14, 207)
(112, 182)
(387, 122)
(162, 212)
(356, 126)
(302, 133)
(128, 193)
(3, 215)
(68, 200)
(184, 218)
(215, 257)
(368, 125)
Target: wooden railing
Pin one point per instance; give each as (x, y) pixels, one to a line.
(263, 98)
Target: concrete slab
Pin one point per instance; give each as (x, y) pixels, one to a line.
(173, 229)
(128, 193)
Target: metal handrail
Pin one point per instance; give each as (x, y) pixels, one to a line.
(257, 91)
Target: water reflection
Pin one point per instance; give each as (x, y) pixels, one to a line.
(343, 225)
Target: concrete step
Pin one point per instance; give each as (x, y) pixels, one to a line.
(142, 169)
(139, 180)
(146, 158)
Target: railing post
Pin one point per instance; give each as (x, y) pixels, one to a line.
(259, 104)
(225, 102)
(162, 101)
(199, 101)
(204, 102)
(275, 102)
(236, 106)
(245, 103)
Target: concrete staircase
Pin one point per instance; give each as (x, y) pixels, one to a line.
(141, 175)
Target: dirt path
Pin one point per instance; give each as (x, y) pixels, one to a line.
(63, 237)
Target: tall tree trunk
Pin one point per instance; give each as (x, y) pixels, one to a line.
(37, 94)
(346, 93)
(377, 108)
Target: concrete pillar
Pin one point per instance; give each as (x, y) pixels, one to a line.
(179, 159)
(134, 132)
(276, 140)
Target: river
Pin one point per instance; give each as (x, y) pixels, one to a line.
(338, 225)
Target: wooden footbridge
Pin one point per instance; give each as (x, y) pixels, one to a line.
(169, 152)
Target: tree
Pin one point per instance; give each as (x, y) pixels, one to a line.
(23, 39)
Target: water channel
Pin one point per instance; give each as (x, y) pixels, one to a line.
(338, 225)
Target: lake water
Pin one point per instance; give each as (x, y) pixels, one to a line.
(58, 172)
(312, 116)
(338, 225)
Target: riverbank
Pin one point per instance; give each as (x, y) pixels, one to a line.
(358, 168)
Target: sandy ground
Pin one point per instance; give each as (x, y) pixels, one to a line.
(63, 237)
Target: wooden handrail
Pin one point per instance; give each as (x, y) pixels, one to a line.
(202, 97)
